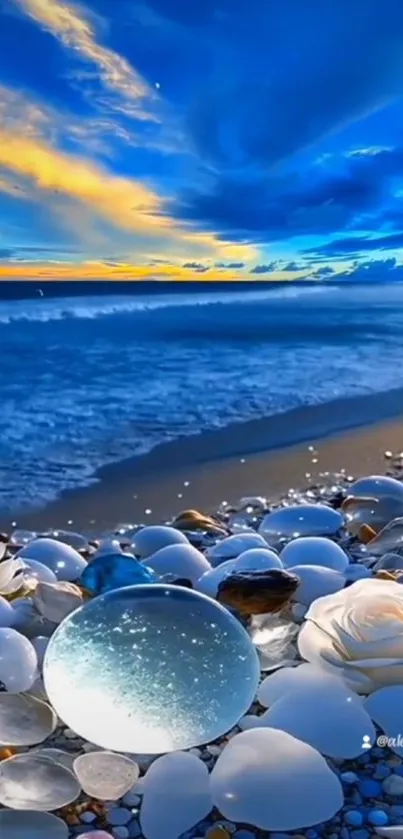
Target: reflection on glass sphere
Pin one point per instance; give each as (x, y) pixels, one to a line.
(151, 669)
(300, 520)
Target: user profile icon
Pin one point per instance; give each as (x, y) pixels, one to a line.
(366, 741)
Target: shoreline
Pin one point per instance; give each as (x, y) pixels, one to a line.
(260, 457)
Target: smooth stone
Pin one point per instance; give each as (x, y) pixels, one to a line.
(69, 537)
(176, 797)
(257, 592)
(152, 538)
(24, 720)
(105, 775)
(31, 782)
(66, 562)
(314, 550)
(316, 582)
(393, 785)
(300, 520)
(18, 661)
(250, 784)
(31, 824)
(28, 621)
(258, 559)
(209, 582)
(377, 486)
(233, 546)
(54, 601)
(7, 614)
(388, 539)
(40, 644)
(180, 560)
(38, 571)
(118, 816)
(369, 788)
(121, 832)
(389, 562)
(10, 578)
(134, 655)
(378, 818)
(349, 778)
(385, 707)
(298, 611)
(97, 834)
(357, 572)
(293, 680)
(306, 714)
(113, 571)
(66, 759)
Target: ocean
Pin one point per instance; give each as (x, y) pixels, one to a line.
(86, 382)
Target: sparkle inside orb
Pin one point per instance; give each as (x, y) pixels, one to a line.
(151, 669)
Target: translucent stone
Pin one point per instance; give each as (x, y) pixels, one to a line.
(233, 546)
(305, 714)
(152, 538)
(176, 796)
(58, 756)
(105, 775)
(38, 571)
(316, 582)
(66, 562)
(209, 582)
(384, 706)
(75, 540)
(375, 512)
(273, 781)
(22, 537)
(180, 560)
(113, 571)
(31, 824)
(28, 621)
(24, 720)
(18, 661)
(273, 638)
(31, 782)
(258, 559)
(7, 614)
(11, 578)
(289, 680)
(314, 550)
(389, 539)
(40, 644)
(377, 486)
(303, 520)
(165, 668)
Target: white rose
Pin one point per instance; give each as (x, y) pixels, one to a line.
(357, 633)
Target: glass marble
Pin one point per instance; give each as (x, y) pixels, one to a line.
(112, 571)
(377, 486)
(151, 669)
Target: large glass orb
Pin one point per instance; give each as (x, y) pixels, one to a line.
(151, 669)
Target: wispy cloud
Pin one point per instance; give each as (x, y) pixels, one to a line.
(75, 28)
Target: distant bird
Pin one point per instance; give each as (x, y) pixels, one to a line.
(40, 292)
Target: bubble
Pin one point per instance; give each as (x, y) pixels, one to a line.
(151, 669)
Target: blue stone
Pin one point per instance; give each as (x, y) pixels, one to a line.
(370, 788)
(360, 834)
(378, 818)
(244, 834)
(381, 772)
(364, 759)
(279, 836)
(398, 770)
(354, 818)
(112, 571)
(311, 834)
(348, 778)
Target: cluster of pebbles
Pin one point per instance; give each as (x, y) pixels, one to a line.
(316, 582)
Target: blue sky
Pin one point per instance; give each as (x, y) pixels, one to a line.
(213, 138)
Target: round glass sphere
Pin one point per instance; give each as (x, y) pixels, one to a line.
(151, 669)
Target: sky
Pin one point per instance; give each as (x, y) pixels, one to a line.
(201, 139)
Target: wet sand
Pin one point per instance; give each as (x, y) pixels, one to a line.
(262, 457)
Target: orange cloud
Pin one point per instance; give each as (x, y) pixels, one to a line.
(93, 270)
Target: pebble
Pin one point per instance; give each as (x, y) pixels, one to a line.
(121, 832)
(131, 799)
(244, 834)
(370, 788)
(87, 817)
(393, 785)
(360, 834)
(348, 778)
(134, 829)
(118, 816)
(354, 818)
(378, 818)
(215, 832)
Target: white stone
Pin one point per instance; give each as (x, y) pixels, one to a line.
(176, 796)
(18, 661)
(316, 582)
(293, 680)
(7, 614)
(31, 782)
(152, 538)
(258, 559)
(233, 546)
(385, 707)
(58, 756)
(181, 560)
(66, 562)
(326, 717)
(249, 721)
(314, 550)
(25, 720)
(31, 824)
(54, 601)
(273, 781)
(105, 775)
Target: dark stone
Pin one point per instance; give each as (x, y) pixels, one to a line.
(257, 592)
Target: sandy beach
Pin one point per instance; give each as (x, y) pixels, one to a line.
(263, 457)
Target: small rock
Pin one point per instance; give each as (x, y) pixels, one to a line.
(393, 785)
(87, 817)
(118, 816)
(370, 788)
(131, 799)
(348, 778)
(354, 818)
(378, 818)
(121, 832)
